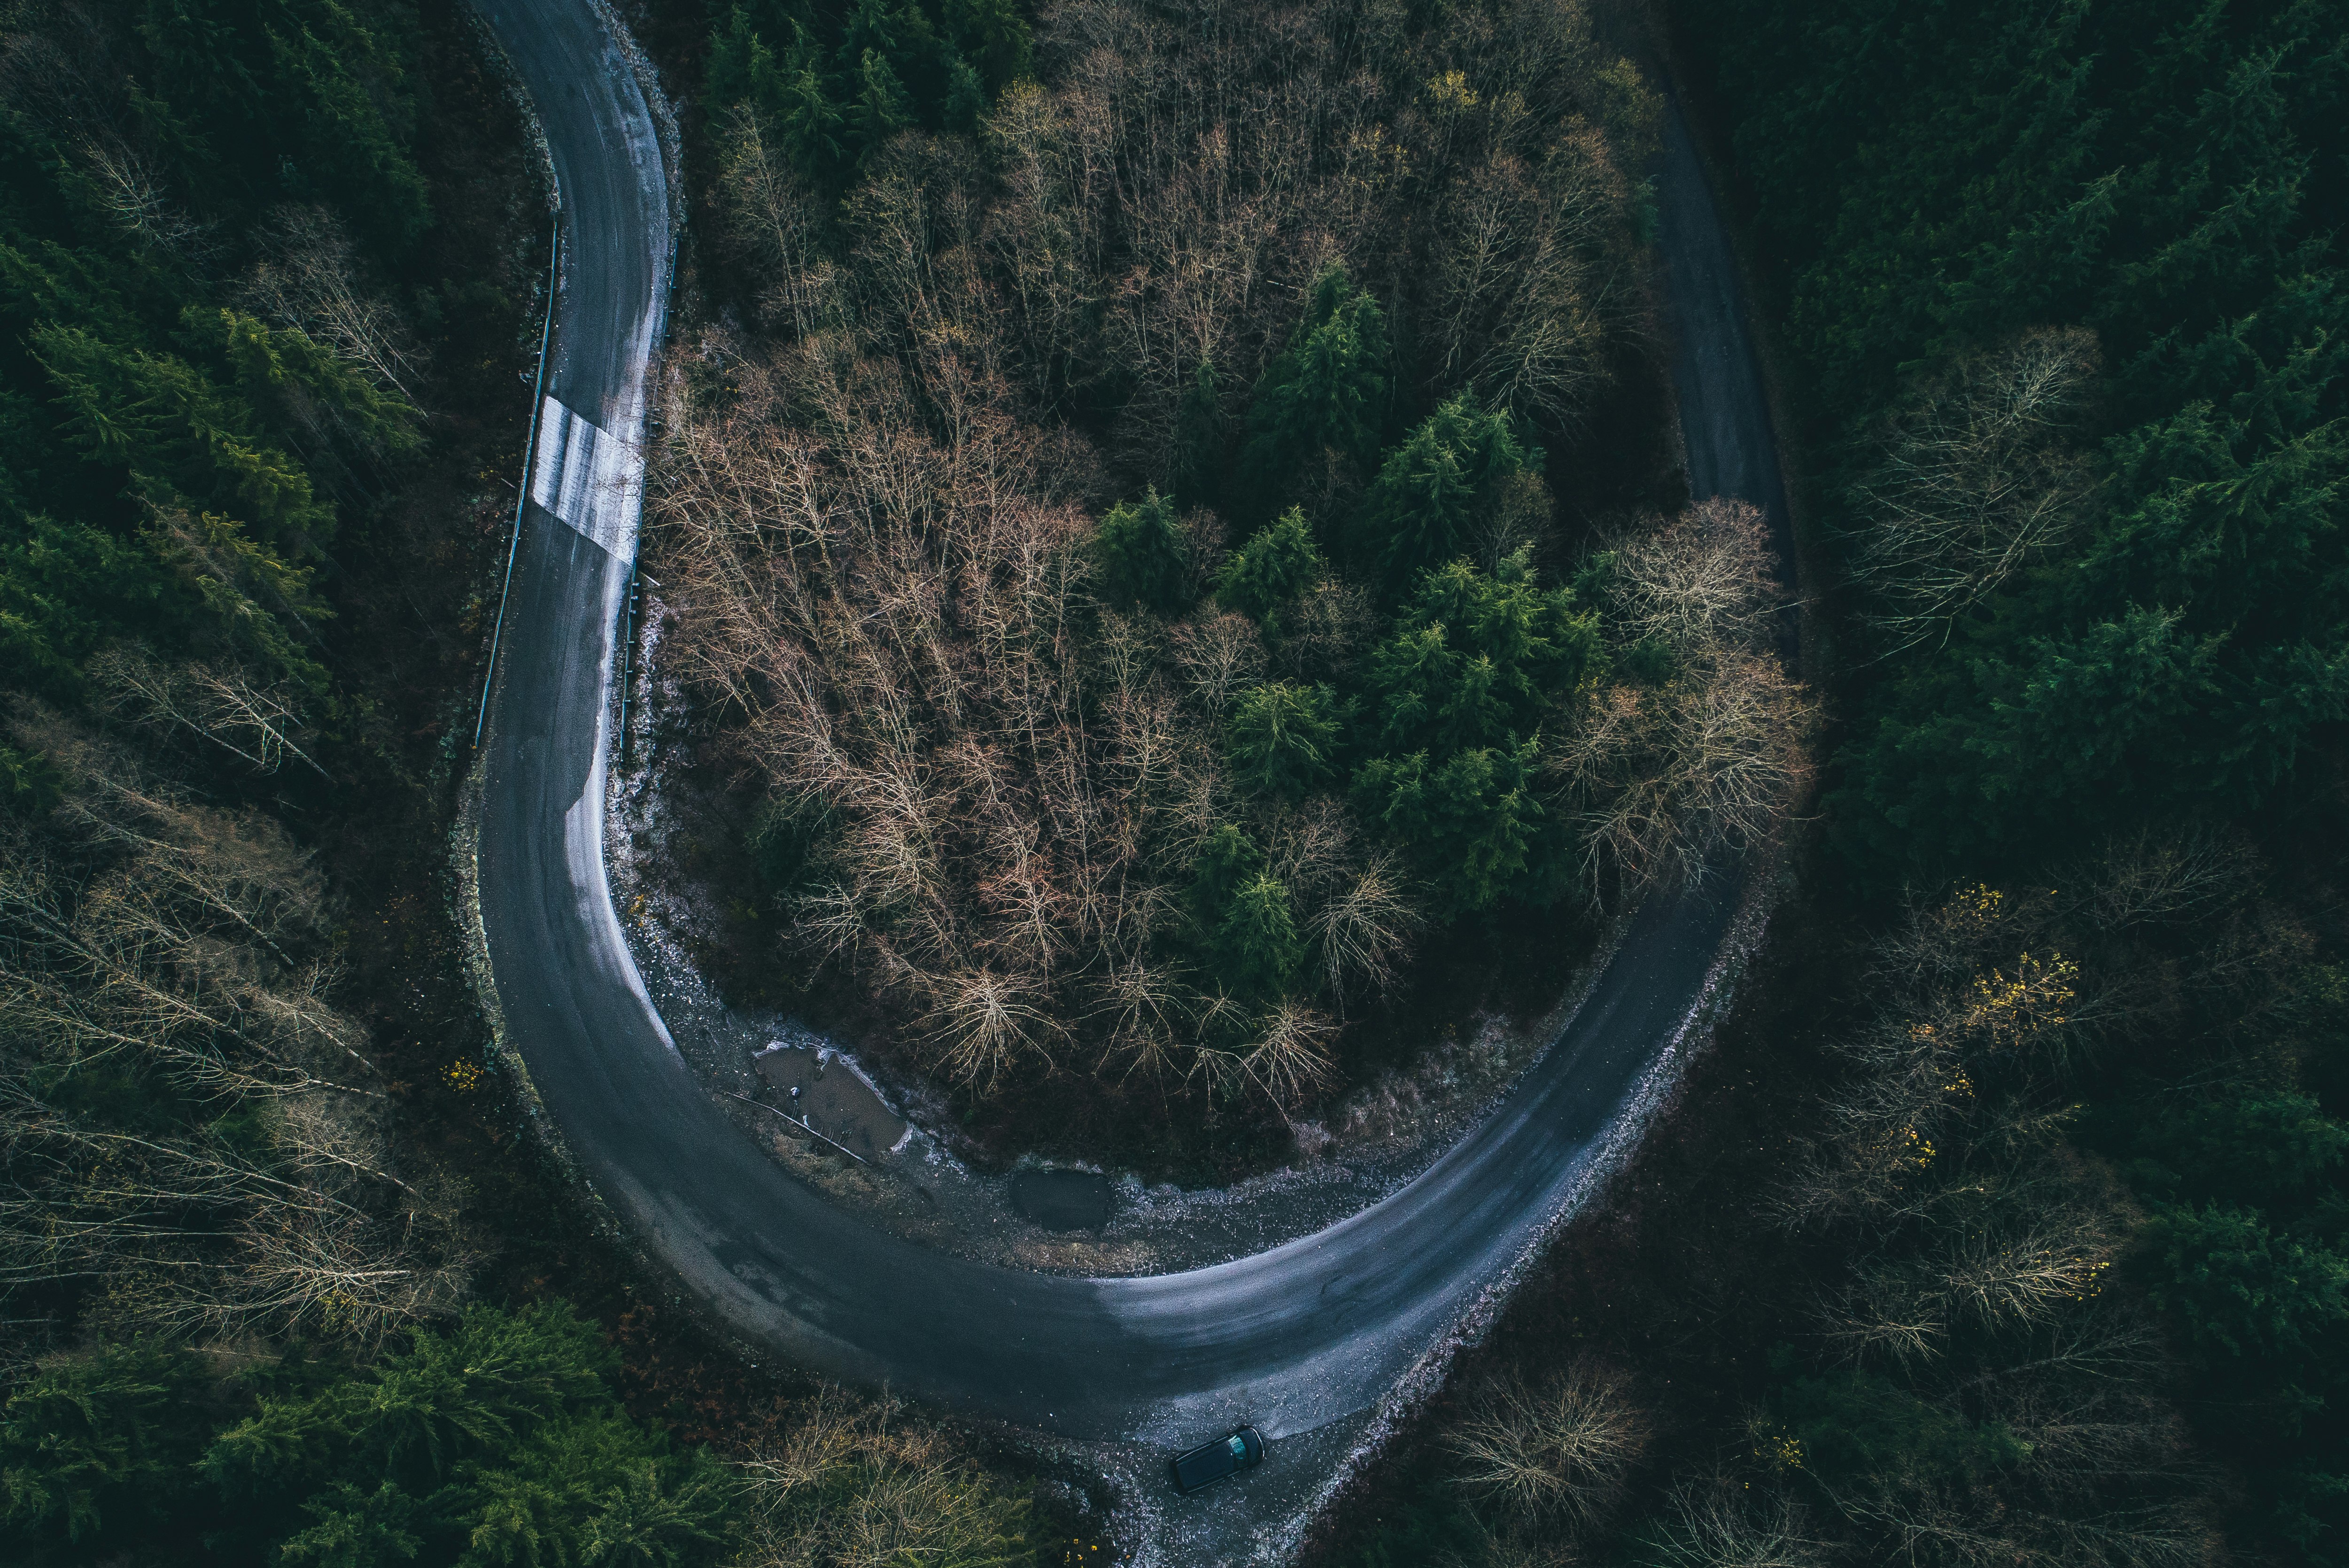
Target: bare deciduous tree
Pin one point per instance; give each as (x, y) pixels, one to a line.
(1979, 475)
(176, 951)
(308, 279)
(226, 707)
(1558, 1451)
(1720, 1522)
(868, 1487)
(1662, 776)
(874, 539)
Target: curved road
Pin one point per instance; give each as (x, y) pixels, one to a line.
(1294, 1338)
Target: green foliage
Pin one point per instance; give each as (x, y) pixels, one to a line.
(994, 33)
(1271, 571)
(1475, 657)
(419, 1413)
(1456, 696)
(29, 785)
(1244, 927)
(1326, 392)
(1257, 947)
(96, 1451)
(881, 107)
(176, 433)
(1432, 490)
(2169, 178)
(1199, 438)
(1471, 819)
(834, 86)
(2259, 1149)
(283, 365)
(1143, 555)
(173, 461)
(250, 101)
(2243, 1253)
(497, 1442)
(1283, 739)
(1225, 862)
(1858, 1426)
(2240, 1288)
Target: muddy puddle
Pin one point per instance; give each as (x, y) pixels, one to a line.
(829, 1101)
(1061, 1199)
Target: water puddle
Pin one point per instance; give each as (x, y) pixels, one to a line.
(1061, 1199)
(829, 1101)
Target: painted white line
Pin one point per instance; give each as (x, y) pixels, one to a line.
(588, 480)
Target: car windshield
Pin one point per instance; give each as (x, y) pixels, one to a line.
(1239, 1444)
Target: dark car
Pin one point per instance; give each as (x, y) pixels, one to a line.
(1211, 1462)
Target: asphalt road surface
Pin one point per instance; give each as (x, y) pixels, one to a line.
(1294, 1338)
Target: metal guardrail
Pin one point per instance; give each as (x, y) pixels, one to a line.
(529, 457)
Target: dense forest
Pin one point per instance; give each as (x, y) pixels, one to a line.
(2004, 1226)
(1152, 529)
(1119, 540)
(264, 275)
(277, 1282)
(204, 387)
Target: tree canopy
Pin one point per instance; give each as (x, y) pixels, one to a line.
(2165, 178)
(175, 448)
(495, 1441)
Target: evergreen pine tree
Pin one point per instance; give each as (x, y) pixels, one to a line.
(1143, 555)
(97, 1450)
(1271, 571)
(1256, 945)
(1199, 438)
(881, 108)
(1283, 739)
(1433, 489)
(1326, 392)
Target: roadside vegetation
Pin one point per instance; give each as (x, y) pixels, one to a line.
(1119, 546)
(2002, 1224)
(282, 1281)
(1151, 533)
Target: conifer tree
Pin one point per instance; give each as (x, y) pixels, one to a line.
(1432, 490)
(881, 108)
(95, 1451)
(1199, 438)
(1271, 571)
(994, 34)
(1470, 818)
(1283, 739)
(1256, 944)
(1227, 859)
(1143, 555)
(1326, 392)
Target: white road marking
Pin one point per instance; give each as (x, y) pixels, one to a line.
(588, 480)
